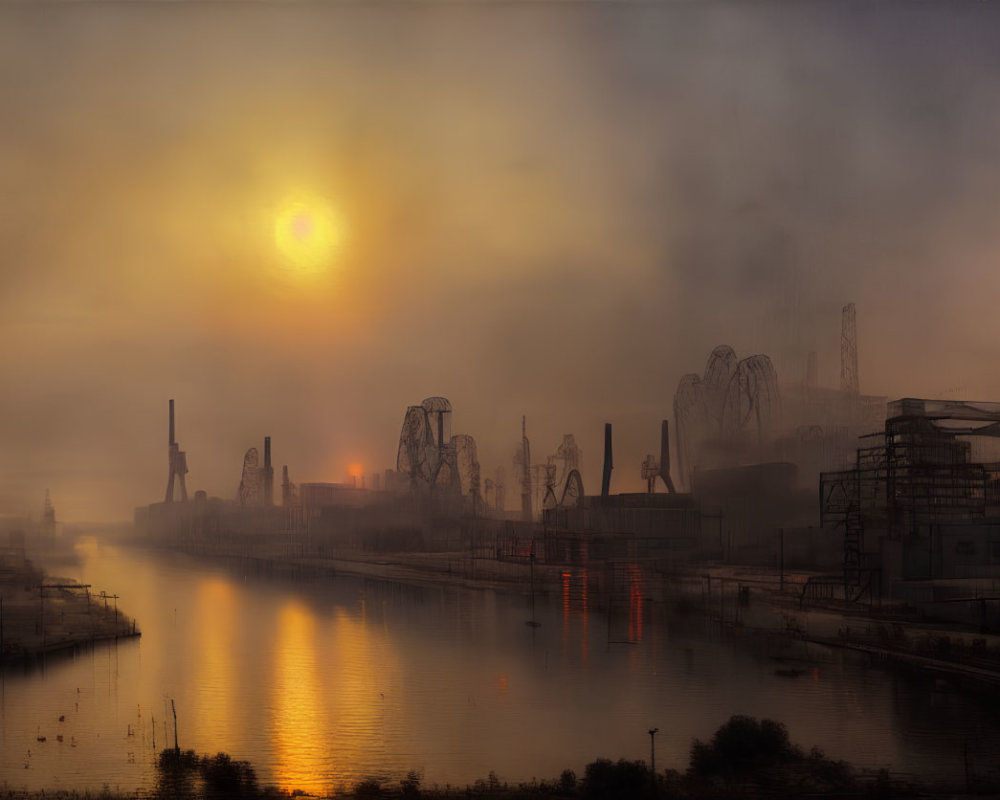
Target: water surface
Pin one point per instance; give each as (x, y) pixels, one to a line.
(322, 684)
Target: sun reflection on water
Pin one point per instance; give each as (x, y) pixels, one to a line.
(215, 684)
(329, 704)
(299, 723)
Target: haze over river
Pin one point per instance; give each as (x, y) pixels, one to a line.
(321, 684)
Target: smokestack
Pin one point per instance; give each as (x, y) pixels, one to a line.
(608, 461)
(665, 457)
(268, 474)
(171, 423)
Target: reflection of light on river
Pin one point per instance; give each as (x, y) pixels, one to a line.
(359, 664)
(329, 702)
(299, 728)
(216, 681)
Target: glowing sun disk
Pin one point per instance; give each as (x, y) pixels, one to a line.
(308, 233)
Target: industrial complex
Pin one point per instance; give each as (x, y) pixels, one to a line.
(842, 498)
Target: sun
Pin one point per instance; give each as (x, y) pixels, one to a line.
(308, 233)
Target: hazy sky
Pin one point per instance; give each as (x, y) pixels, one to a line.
(552, 209)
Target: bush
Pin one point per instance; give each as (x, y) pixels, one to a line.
(606, 780)
(368, 789)
(741, 745)
(567, 781)
(225, 778)
(410, 785)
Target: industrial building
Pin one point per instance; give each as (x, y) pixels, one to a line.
(919, 512)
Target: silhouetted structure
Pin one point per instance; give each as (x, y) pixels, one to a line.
(47, 526)
(609, 464)
(727, 415)
(653, 468)
(922, 502)
(849, 382)
(525, 472)
(178, 464)
(430, 460)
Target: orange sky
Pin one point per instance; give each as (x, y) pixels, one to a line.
(553, 210)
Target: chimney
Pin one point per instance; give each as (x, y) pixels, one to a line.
(608, 461)
(665, 456)
(268, 474)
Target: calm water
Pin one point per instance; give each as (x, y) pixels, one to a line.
(323, 684)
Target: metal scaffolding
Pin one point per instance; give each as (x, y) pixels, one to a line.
(918, 472)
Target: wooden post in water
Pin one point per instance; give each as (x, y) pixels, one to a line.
(177, 747)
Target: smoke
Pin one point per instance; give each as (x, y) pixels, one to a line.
(553, 210)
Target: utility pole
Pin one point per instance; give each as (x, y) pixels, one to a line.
(652, 753)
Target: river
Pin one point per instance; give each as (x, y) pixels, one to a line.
(322, 684)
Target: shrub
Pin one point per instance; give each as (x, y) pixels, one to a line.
(606, 780)
(368, 789)
(225, 778)
(740, 745)
(410, 785)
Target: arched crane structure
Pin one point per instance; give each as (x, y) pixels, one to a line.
(735, 403)
(434, 461)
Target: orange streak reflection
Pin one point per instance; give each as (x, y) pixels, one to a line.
(215, 684)
(330, 701)
(298, 723)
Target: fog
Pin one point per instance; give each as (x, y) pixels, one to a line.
(551, 209)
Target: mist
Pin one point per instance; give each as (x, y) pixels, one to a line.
(551, 210)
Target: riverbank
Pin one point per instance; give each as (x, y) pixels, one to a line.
(42, 614)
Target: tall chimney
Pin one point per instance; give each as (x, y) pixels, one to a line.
(608, 461)
(171, 422)
(665, 457)
(268, 474)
